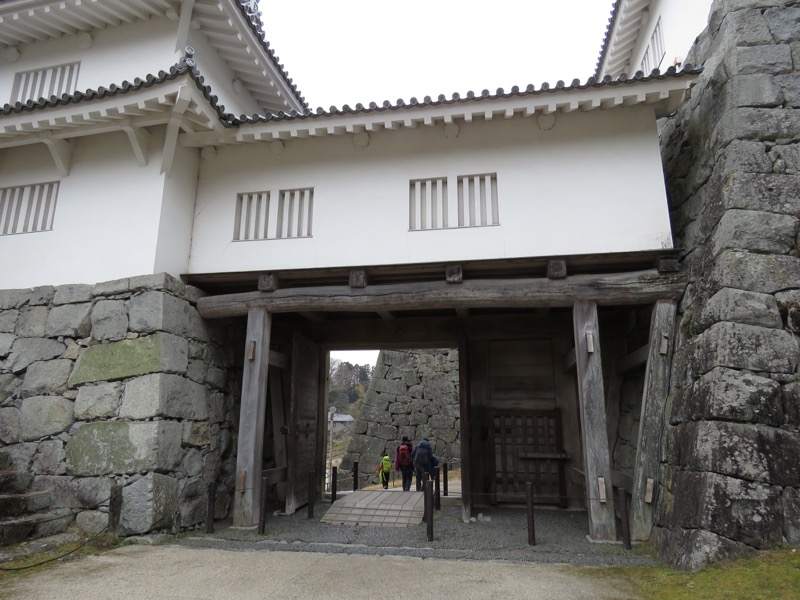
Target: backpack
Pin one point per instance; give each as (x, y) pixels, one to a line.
(403, 456)
(422, 457)
(386, 464)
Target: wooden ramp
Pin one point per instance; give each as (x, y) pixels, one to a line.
(384, 508)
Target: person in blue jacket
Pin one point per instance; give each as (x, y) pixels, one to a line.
(425, 462)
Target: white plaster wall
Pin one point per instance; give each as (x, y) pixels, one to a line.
(218, 75)
(681, 21)
(592, 184)
(118, 53)
(106, 219)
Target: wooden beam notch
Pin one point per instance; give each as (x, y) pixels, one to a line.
(454, 274)
(269, 282)
(557, 269)
(358, 278)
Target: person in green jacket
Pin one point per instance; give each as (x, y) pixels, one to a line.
(384, 469)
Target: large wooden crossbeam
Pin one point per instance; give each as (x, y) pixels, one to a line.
(640, 287)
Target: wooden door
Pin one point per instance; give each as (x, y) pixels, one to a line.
(303, 421)
(528, 447)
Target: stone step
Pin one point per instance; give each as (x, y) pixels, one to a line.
(19, 529)
(13, 505)
(12, 481)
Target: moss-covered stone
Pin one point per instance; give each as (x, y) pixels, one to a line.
(129, 358)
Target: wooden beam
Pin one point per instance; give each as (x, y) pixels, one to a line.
(639, 287)
(139, 139)
(182, 100)
(184, 22)
(651, 422)
(61, 151)
(276, 359)
(278, 412)
(596, 459)
(386, 315)
(251, 419)
(464, 424)
(637, 358)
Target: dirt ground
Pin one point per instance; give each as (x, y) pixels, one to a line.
(139, 572)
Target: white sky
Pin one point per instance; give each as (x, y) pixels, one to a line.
(354, 51)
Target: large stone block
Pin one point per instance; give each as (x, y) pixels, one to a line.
(755, 231)
(72, 320)
(193, 502)
(739, 306)
(9, 384)
(75, 492)
(389, 386)
(72, 293)
(41, 416)
(694, 549)
(783, 23)
(97, 401)
(28, 350)
(163, 395)
(8, 320)
(150, 503)
(32, 321)
(382, 432)
(766, 124)
(154, 311)
(196, 434)
(47, 377)
(14, 298)
(754, 272)
(124, 447)
(765, 60)
(791, 403)
(746, 512)
(791, 516)
(753, 452)
(6, 343)
(158, 281)
(109, 320)
(49, 459)
(9, 425)
(129, 358)
(746, 347)
(730, 395)
(789, 307)
(774, 192)
(18, 456)
(757, 90)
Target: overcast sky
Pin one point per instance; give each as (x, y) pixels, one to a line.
(348, 52)
(351, 51)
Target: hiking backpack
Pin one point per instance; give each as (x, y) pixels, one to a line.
(403, 456)
(386, 464)
(422, 457)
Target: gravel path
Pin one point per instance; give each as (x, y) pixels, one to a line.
(501, 534)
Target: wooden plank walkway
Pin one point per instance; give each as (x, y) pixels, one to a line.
(385, 508)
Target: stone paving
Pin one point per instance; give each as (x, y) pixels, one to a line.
(386, 508)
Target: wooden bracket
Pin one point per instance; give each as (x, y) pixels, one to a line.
(664, 344)
(250, 351)
(601, 488)
(669, 265)
(240, 480)
(61, 151)
(182, 101)
(453, 274)
(139, 139)
(590, 342)
(648, 492)
(556, 269)
(358, 278)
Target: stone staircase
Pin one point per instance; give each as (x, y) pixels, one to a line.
(26, 514)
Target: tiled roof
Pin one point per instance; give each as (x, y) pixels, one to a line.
(609, 28)
(529, 90)
(256, 24)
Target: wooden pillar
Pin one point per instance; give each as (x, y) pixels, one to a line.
(654, 399)
(251, 418)
(596, 460)
(465, 426)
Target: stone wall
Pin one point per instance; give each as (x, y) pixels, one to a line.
(121, 382)
(413, 393)
(731, 477)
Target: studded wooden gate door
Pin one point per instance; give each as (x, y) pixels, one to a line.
(528, 447)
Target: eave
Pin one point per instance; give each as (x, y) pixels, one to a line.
(625, 23)
(663, 93)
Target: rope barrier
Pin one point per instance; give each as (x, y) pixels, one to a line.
(49, 560)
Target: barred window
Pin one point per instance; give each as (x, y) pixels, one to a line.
(44, 83)
(264, 216)
(432, 205)
(28, 208)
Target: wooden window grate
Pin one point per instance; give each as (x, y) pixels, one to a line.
(44, 83)
(431, 206)
(264, 216)
(28, 208)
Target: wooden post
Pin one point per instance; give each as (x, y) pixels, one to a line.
(355, 475)
(312, 493)
(251, 417)
(444, 479)
(437, 499)
(465, 423)
(334, 475)
(429, 508)
(622, 502)
(531, 522)
(596, 460)
(262, 513)
(212, 500)
(654, 398)
(114, 509)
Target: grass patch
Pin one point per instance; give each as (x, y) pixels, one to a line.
(773, 575)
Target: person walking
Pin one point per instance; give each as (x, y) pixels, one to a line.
(384, 469)
(403, 462)
(424, 461)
